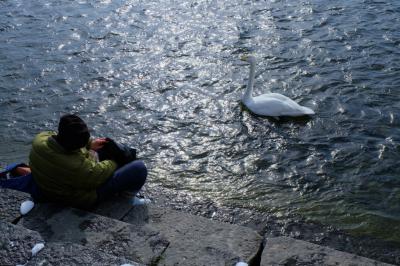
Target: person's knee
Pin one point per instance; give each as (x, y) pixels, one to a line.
(141, 171)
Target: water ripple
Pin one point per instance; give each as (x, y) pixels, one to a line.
(165, 77)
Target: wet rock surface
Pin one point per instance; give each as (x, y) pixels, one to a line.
(57, 224)
(75, 254)
(16, 243)
(10, 202)
(289, 251)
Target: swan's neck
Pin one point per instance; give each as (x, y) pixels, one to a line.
(249, 91)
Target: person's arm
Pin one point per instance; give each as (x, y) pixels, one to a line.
(93, 173)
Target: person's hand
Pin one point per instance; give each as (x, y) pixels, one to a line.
(97, 144)
(21, 170)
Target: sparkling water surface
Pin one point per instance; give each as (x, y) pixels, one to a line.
(165, 77)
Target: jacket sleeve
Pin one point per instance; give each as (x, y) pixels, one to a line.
(94, 173)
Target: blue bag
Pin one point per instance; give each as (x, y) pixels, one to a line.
(24, 183)
(7, 170)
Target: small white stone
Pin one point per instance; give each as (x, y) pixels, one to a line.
(241, 264)
(126, 264)
(38, 247)
(26, 207)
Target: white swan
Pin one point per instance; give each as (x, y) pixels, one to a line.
(270, 104)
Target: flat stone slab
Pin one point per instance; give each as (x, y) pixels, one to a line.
(74, 254)
(10, 202)
(115, 207)
(16, 243)
(195, 240)
(289, 251)
(58, 224)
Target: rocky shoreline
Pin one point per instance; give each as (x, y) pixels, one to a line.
(269, 226)
(117, 233)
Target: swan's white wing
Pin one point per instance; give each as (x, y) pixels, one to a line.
(275, 104)
(277, 96)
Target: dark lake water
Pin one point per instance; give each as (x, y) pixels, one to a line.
(165, 76)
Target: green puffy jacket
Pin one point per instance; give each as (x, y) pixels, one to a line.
(67, 177)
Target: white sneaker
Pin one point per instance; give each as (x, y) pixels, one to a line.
(139, 201)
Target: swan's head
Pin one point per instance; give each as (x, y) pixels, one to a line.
(248, 58)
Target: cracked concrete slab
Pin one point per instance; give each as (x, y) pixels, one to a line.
(196, 240)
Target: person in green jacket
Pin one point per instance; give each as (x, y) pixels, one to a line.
(65, 167)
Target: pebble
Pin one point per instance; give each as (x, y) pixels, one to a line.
(38, 247)
(26, 207)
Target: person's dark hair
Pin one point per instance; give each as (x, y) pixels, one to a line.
(72, 132)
